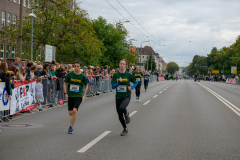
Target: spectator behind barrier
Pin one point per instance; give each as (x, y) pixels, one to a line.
(16, 63)
(39, 63)
(71, 70)
(28, 69)
(60, 73)
(4, 78)
(21, 74)
(69, 66)
(39, 93)
(32, 75)
(11, 76)
(14, 69)
(39, 71)
(51, 72)
(45, 71)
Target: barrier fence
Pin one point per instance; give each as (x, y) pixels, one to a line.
(23, 94)
(233, 80)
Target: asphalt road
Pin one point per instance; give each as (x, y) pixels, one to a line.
(175, 120)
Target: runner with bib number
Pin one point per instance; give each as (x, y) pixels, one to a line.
(121, 82)
(75, 96)
(146, 80)
(138, 75)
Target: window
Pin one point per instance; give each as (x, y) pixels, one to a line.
(29, 4)
(14, 20)
(13, 52)
(24, 3)
(2, 50)
(8, 19)
(8, 49)
(3, 18)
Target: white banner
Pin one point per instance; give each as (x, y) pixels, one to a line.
(4, 102)
(23, 97)
(233, 68)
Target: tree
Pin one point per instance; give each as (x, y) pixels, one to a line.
(113, 36)
(132, 58)
(172, 67)
(150, 63)
(221, 59)
(71, 31)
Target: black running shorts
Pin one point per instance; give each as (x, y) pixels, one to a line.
(74, 102)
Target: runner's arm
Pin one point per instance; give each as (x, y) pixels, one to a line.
(135, 85)
(115, 85)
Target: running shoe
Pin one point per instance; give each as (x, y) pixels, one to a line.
(127, 118)
(40, 110)
(125, 132)
(137, 99)
(70, 130)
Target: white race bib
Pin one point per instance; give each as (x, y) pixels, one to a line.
(146, 78)
(74, 88)
(138, 79)
(122, 88)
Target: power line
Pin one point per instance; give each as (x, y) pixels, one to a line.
(124, 17)
(135, 26)
(136, 20)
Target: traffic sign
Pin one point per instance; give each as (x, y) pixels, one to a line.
(139, 64)
(215, 71)
(235, 71)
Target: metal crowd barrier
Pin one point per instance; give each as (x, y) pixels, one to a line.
(153, 78)
(52, 94)
(100, 85)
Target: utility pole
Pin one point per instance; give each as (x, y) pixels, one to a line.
(151, 61)
(20, 30)
(147, 63)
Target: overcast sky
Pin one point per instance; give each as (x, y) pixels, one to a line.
(183, 28)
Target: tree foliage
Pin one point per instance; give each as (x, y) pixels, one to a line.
(172, 67)
(113, 36)
(71, 31)
(150, 63)
(221, 59)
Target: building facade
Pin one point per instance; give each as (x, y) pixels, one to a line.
(9, 13)
(145, 52)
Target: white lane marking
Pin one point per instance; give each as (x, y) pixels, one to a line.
(223, 100)
(160, 92)
(167, 87)
(130, 115)
(155, 96)
(164, 89)
(146, 102)
(92, 143)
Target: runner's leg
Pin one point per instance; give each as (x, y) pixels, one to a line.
(121, 106)
(73, 118)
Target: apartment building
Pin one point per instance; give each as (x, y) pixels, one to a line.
(9, 13)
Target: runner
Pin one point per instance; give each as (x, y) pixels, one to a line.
(74, 95)
(138, 75)
(146, 80)
(121, 80)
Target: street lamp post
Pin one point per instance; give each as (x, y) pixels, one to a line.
(32, 15)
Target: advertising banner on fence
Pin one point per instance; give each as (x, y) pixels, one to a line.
(4, 102)
(23, 97)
